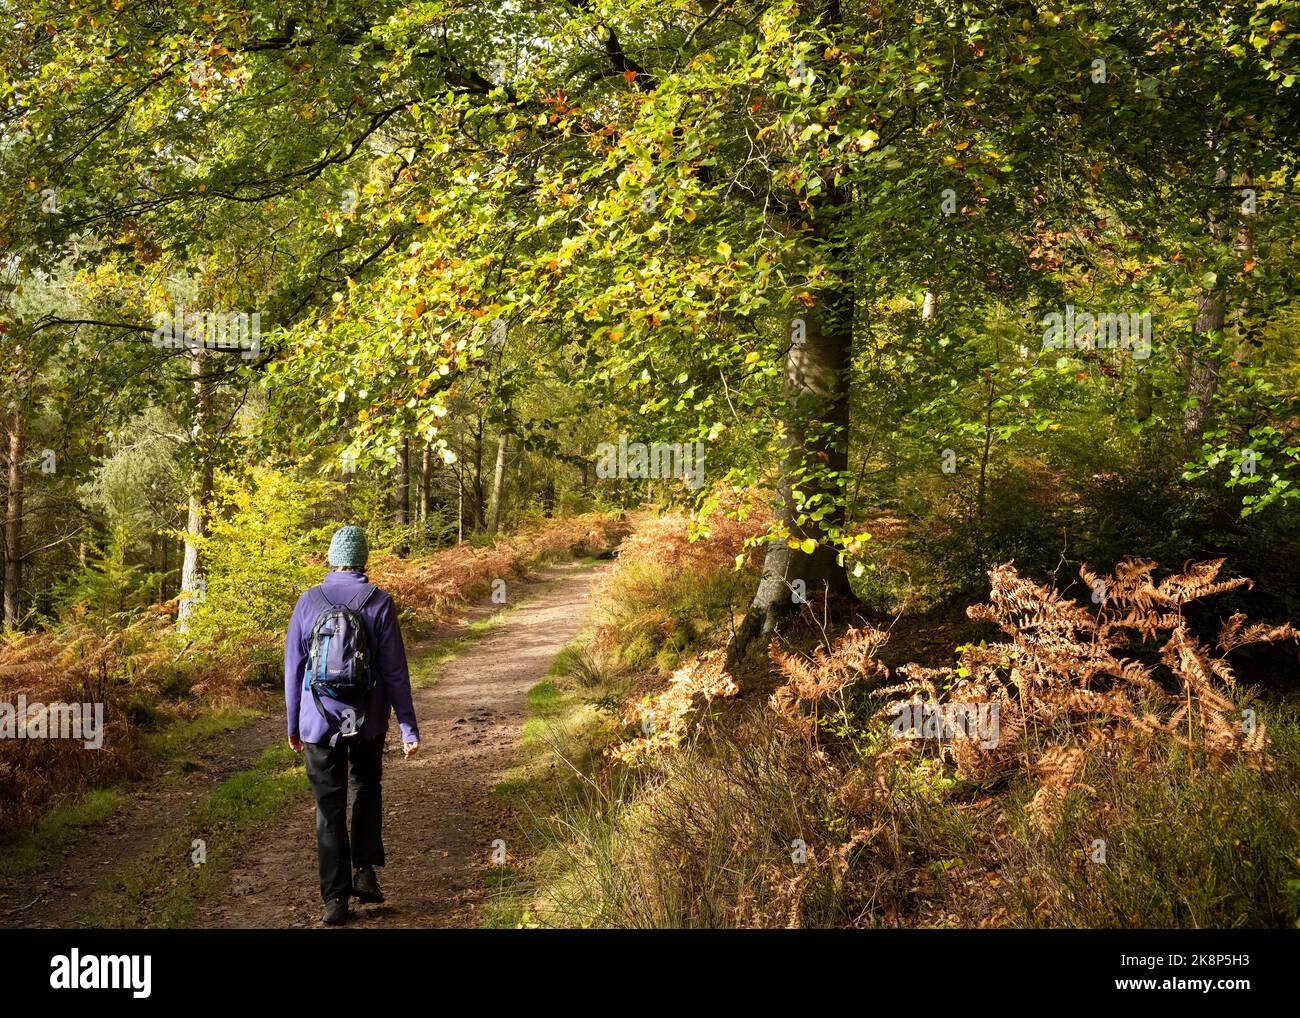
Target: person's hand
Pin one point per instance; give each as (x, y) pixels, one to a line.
(295, 743)
(409, 749)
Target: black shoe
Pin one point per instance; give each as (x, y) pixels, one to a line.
(336, 912)
(365, 886)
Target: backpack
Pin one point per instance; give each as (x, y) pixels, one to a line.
(339, 659)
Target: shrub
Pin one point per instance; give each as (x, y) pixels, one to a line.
(1218, 852)
(1068, 679)
(258, 558)
(1120, 721)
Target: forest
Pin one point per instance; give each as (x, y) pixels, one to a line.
(836, 464)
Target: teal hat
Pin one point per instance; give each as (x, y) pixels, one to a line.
(348, 548)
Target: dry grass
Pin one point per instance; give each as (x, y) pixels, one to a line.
(945, 830)
(430, 589)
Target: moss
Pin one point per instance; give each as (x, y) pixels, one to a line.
(640, 650)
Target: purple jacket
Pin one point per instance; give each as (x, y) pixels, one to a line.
(393, 685)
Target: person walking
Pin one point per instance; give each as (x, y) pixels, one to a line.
(345, 671)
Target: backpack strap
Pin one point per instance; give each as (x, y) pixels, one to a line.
(318, 598)
(356, 607)
(319, 603)
(369, 589)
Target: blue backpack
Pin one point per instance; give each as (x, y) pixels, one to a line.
(339, 663)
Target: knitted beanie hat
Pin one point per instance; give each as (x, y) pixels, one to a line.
(348, 548)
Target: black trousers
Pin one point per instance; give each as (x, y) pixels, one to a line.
(351, 765)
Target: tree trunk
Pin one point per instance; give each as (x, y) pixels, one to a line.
(1203, 366)
(460, 492)
(199, 493)
(981, 497)
(422, 489)
(498, 482)
(814, 465)
(1144, 396)
(816, 423)
(191, 579)
(477, 503)
(813, 472)
(1203, 362)
(13, 540)
(404, 483)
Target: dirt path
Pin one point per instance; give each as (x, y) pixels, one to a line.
(481, 694)
(439, 823)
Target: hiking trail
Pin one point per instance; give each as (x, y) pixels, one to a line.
(439, 820)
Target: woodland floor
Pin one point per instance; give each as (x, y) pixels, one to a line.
(439, 819)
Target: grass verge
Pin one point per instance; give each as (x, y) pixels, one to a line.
(569, 724)
(162, 888)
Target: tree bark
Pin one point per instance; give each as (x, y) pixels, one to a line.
(422, 488)
(813, 469)
(13, 538)
(498, 483)
(1203, 367)
(199, 493)
(477, 504)
(811, 475)
(1203, 363)
(404, 483)
(981, 498)
(460, 497)
(1144, 396)
(816, 429)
